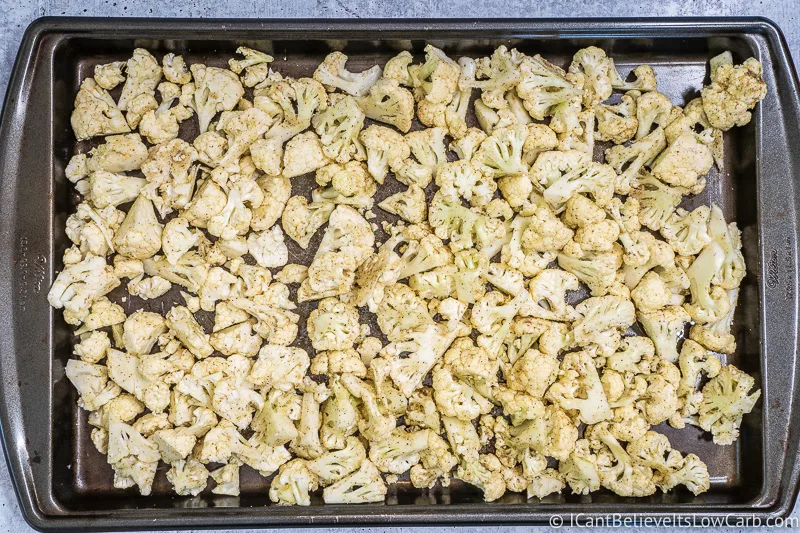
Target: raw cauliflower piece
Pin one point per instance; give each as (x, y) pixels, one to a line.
(333, 74)
(139, 235)
(577, 377)
(109, 75)
(227, 480)
(186, 329)
(333, 325)
(213, 90)
(410, 205)
(92, 383)
(301, 220)
(363, 486)
(734, 91)
(304, 153)
(143, 74)
(293, 483)
(267, 247)
(92, 347)
(436, 80)
(389, 103)
(96, 113)
(726, 398)
(684, 162)
(133, 457)
(79, 285)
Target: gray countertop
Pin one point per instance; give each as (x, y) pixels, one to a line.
(15, 15)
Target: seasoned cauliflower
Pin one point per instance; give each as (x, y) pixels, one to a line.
(734, 91)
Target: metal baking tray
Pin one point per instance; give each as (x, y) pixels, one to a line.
(61, 480)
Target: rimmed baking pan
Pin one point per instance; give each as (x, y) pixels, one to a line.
(63, 482)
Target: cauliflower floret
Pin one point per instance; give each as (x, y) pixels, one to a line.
(304, 153)
(663, 327)
(133, 457)
(456, 398)
(436, 80)
(143, 73)
(119, 153)
(333, 74)
(717, 336)
(730, 274)
(109, 75)
(336, 465)
(141, 331)
(685, 161)
(734, 91)
(92, 347)
(410, 205)
(92, 383)
(500, 154)
(618, 122)
(687, 231)
(214, 90)
(464, 227)
(595, 269)
(578, 377)
(338, 128)
(348, 184)
(186, 329)
(652, 294)
(644, 79)
(102, 314)
(652, 109)
(267, 247)
(595, 67)
(580, 469)
(293, 483)
(630, 161)
(726, 399)
(175, 69)
(93, 229)
(279, 367)
(273, 311)
(544, 87)
(139, 235)
(236, 339)
(400, 451)
(463, 179)
(301, 220)
(227, 480)
(79, 285)
(545, 232)
(603, 318)
(385, 149)
(96, 113)
(333, 325)
(363, 486)
(254, 64)
(389, 103)
(595, 179)
(616, 468)
(175, 444)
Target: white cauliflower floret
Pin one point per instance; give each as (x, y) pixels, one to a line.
(92, 347)
(618, 122)
(93, 229)
(333, 74)
(730, 274)
(595, 67)
(338, 128)
(694, 360)
(333, 325)
(580, 469)
(119, 153)
(109, 75)
(400, 451)
(544, 87)
(188, 477)
(363, 486)
(726, 399)
(236, 339)
(652, 294)
(293, 483)
(664, 327)
(175, 70)
(595, 179)
(464, 227)
(143, 74)
(684, 162)
(385, 149)
(348, 184)
(463, 179)
(336, 465)
(436, 462)
(545, 232)
(644, 79)
(267, 247)
(96, 113)
(436, 80)
(500, 154)
(595, 269)
(92, 383)
(139, 235)
(734, 91)
(578, 378)
(175, 444)
(410, 205)
(186, 329)
(141, 331)
(653, 109)
(301, 220)
(133, 457)
(548, 291)
(533, 372)
(227, 480)
(616, 468)
(254, 64)
(149, 288)
(275, 321)
(709, 302)
(79, 285)
(304, 153)
(102, 314)
(603, 319)
(389, 103)
(401, 312)
(687, 231)
(456, 398)
(108, 189)
(279, 367)
(630, 161)
(215, 89)
(717, 336)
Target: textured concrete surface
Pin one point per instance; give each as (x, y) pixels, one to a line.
(15, 15)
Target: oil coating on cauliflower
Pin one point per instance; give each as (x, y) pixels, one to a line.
(734, 91)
